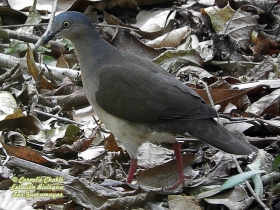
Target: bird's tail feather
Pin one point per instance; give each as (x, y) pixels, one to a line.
(213, 133)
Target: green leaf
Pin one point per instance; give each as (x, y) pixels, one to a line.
(69, 43)
(219, 16)
(34, 16)
(256, 165)
(71, 130)
(49, 60)
(201, 189)
(276, 163)
(4, 36)
(239, 178)
(276, 189)
(67, 130)
(16, 46)
(8, 107)
(258, 185)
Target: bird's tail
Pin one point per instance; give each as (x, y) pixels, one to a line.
(213, 133)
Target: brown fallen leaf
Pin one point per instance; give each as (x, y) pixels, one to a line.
(222, 96)
(62, 63)
(166, 174)
(112, 20)
(78, 146)
(34, 70)
(126, 41)
(180, 202)
(74, 99)
(266, 104)
(111, 144)
(234, 199)
(170, 39)
(25, 153)
(267, 44)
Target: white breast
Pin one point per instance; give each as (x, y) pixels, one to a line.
(131, 134)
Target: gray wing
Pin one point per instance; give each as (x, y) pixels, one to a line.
(132, 92)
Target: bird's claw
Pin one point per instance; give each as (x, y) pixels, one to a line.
(180, 181)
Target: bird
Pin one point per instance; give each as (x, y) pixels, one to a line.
(137, 100)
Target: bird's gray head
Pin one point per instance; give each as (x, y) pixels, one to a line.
(69, 25)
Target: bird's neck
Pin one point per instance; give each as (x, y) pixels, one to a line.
(92, 58)
(98, 50)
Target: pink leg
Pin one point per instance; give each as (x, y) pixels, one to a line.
(181, 176)
(132, 169)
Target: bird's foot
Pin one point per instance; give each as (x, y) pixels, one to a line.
(132, 169)
(181, 181)
(181, 176)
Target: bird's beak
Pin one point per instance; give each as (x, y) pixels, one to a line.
(50, 36)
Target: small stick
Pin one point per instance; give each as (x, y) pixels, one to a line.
(39, 42)
(57, 117)
(249, 186)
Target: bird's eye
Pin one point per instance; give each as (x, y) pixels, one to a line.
(66, 24)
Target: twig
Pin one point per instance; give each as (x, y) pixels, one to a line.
(39, 42)
(24, 25)
(6, 160)
(210, 98)
(249, 186)
(99, 125)
(8, 61)
(254, 121)
(238, 119)
(57, 117)
(116, 26)
(9, 73)
(6, 87)
(208, 94)
(30, 38)
(30, 166)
